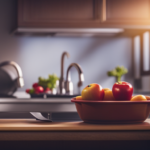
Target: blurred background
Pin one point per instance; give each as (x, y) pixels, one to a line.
(40, 55)
(34, 34)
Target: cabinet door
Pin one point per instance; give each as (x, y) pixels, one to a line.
(58, 13)
(126, 12)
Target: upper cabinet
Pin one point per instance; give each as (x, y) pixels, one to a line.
(126, 12)
(58, 13)
(83, 13)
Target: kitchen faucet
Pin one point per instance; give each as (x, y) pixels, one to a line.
(69, 84)
(65, 86)
(61, 80)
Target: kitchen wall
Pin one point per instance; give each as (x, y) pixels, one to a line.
(40, 55)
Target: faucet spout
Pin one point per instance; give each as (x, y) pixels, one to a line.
(69, 85)
(61, 81)
(62, 64)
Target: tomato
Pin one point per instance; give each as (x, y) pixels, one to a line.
(47, 90)
(122, 90)
(35, 85)
(30, 91)
(93, 92)
(27, 90)
(39, 89)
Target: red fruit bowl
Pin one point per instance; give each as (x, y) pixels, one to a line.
(112, 111)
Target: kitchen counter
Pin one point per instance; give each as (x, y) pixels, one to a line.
(35, 125)
(60, 109)
(74, 134)
(37, 105)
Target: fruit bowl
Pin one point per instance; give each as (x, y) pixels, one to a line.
(112, 111)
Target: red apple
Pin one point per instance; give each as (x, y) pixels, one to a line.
(122, 91)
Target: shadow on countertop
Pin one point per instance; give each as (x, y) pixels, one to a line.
(57, 117)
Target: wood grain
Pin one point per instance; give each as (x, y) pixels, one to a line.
(127, 11)
(74, 136)
(31, 130)
(34, 125)
(58, 13)
(83, 14)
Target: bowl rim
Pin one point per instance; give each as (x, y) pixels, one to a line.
(110, 102)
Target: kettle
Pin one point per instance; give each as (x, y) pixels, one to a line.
(10, 80)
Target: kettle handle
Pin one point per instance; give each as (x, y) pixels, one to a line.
(17, 68)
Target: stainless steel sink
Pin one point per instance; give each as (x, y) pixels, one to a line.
(37, 106)
(53, 96)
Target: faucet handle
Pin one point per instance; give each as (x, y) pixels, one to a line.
(61, 87)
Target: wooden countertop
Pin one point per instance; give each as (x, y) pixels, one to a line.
(33, 130)
(34, 125)
(33, 134)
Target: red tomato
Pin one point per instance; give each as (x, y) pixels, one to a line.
(27, 90)
(35, 85)
(122, 90)
(47, 90)
(93, 92)
(39, 89)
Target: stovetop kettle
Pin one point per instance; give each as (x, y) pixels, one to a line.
(10, 78)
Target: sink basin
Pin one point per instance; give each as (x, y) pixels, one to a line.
(52, 95)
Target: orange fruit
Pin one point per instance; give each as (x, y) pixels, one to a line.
(138, 98)
(147, 97)
(108, 95)
(106, 89)
(78, 97)
(93, 92)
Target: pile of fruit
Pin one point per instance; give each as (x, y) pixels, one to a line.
(43, 85)
(121, 91)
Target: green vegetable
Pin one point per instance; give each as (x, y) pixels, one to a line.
(118, 72)
(31, 91)
(50, 82)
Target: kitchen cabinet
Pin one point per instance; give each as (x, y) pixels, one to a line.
(126, 12)
(58, 13)
(83, 14)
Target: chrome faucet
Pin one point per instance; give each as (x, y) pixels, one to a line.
(69, 84)
(61, 80)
